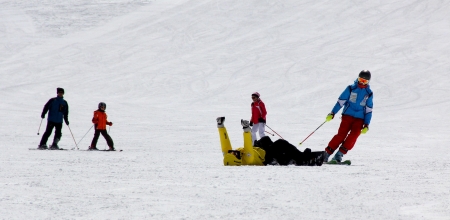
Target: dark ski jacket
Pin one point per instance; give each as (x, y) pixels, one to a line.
(57, 108)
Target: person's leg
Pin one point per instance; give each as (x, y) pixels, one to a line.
(95, 140)
(262, 129)
(355, 131)
(343, 130)
(47, 133)
(254, 131)
(223, 134)
(58, 134)
(108, 139)
(249, 153)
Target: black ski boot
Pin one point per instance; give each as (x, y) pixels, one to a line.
(92, 148)
(42, 147)
(55, 146)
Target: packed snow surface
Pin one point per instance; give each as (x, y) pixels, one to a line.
(167, 69)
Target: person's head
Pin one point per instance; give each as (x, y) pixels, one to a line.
(255, 96)
(60, 92)
(102, 106)
(364, 78)
(231, 158)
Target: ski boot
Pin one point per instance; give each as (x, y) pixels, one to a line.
(220, 121)
(245, 125)
(111, 149)
(55, 146)
(42, 147)
(337, 158)
(92, 148)
(325, 157)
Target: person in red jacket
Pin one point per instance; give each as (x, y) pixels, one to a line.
(258, 120)
(100, 121)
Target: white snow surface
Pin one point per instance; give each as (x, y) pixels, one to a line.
(167, 69)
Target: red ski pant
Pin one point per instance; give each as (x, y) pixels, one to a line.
(348, 140)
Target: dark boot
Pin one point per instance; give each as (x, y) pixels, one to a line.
(92, 148)
(55, 146)
(42, 147)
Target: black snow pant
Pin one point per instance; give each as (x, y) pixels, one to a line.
(284, 153)
(105, 134)
(48, 132)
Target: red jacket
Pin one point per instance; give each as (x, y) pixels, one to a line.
(100, 120)
(258, 111)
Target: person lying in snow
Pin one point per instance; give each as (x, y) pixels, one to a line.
(265, 152)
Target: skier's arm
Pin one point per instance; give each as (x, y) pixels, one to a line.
(66, 113)
(108, 122)
(368, 110)
(263, 110)
(46, 107)
(95, 118)
(343, 98)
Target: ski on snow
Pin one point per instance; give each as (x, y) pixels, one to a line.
(72, 149)
(333, 162)
(47, 149)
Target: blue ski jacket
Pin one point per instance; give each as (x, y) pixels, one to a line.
(357, 102)
(57, 109)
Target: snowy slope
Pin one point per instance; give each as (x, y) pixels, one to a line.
(167, 69)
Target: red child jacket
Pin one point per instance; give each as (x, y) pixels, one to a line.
(100, 119)
(258, 111)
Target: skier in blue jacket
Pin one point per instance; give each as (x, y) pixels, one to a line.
(57, 108)
(357, 100)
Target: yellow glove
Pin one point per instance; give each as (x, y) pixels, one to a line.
(330, 116)
(365, 129)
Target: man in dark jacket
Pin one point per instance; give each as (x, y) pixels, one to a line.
(57, 108)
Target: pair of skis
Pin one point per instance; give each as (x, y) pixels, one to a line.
(72, 149)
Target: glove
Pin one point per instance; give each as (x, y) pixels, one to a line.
(251, 123)
(67, 122)
(365, 129)
(42, 116)
(330, 116)
(109, 123)
(261, 120)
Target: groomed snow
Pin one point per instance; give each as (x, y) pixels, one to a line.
(167, 69)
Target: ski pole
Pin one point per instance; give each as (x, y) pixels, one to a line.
(85, 135)
(72, 136)
(274, 131)
(269, 133)
(312, 133)
(40, 126)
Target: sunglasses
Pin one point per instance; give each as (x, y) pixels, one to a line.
(254, 97)
(363, 81)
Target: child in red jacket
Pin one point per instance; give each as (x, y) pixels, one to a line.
(100, 121)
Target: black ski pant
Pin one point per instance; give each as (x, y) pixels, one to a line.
(105, 134)
(48, 132)
(283, 152)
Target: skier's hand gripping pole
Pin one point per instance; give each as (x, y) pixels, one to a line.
(314, 131)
